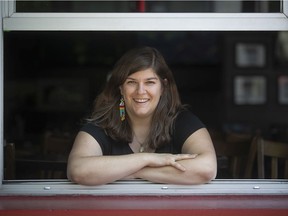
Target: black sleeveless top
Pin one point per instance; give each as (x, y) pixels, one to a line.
(186, 123)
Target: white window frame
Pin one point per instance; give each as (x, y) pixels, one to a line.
(13, 21)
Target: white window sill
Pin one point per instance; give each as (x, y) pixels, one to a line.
(144, 188)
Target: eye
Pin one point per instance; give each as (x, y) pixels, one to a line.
(150, 82)
(131, 82)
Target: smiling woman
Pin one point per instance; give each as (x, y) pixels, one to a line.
(174, 145)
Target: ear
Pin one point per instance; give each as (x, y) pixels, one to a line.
(165, 82)
(121, 91)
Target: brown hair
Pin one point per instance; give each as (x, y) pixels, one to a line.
(106, 108)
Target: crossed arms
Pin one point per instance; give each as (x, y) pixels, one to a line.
(196, 165)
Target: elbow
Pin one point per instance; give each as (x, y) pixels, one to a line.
(208, 174)
(81, 177)
(207, 171)
(75, 176)
(205, 175)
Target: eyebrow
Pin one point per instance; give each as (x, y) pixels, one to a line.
(150, 78)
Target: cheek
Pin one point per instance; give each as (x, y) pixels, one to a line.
(160, 91)
(126, 92)
(156, 97)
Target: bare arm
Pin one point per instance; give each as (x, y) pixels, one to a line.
(88, 166)
(202, 169)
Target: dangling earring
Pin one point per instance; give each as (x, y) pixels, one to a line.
(122, 109)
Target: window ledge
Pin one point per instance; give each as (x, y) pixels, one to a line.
(144, 188)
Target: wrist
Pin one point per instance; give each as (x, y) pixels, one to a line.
(144, 159)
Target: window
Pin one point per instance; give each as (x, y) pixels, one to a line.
(150, 6)
(41, 20)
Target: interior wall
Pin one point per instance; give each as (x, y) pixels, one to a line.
(267, 116)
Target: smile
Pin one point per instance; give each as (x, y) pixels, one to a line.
(141, 100)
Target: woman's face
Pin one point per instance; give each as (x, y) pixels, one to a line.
(141, 92)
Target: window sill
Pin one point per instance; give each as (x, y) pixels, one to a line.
(144, 188)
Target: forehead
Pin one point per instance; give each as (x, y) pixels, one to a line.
(144, 74)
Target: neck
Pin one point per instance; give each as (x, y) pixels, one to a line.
(140, 135)
(141, 129)
(140, 122)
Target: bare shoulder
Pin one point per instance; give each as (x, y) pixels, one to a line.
(85, 145)
(198, 142)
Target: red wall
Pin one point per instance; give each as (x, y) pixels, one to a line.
(262, 205)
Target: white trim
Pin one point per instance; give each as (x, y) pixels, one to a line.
(145, 188)
(4, 12)
(8, 7)
(146, 22)
(285, 7)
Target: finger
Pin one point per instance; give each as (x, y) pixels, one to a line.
(178, 166)
(193, 155)
(190, 155)
(185, 156)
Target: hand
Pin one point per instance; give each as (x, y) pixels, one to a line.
(160, 160)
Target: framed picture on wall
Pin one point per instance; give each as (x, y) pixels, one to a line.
(283, 89)
(250, 55)
(249, 90)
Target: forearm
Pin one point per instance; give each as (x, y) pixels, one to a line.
(198, 171)
(97, 170)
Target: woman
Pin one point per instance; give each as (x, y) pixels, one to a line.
(140, 129)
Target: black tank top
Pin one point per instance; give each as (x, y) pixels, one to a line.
(186, 123)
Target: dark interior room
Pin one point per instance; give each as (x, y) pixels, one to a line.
(234, 81)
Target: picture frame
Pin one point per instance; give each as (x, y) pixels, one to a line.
(250, 90)
(283, 89)
(250, 55)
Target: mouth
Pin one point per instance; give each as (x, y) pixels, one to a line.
(141, 100)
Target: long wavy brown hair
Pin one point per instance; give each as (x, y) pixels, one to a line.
(106, 106)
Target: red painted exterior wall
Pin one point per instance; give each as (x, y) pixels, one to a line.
(262, 205)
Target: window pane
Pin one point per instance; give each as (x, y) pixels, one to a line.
(51, 79)
(149, 6)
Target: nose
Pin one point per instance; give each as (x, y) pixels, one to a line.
(141, 88)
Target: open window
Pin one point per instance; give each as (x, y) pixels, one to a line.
(134, 21)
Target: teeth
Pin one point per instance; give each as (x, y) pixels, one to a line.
(141, 100)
